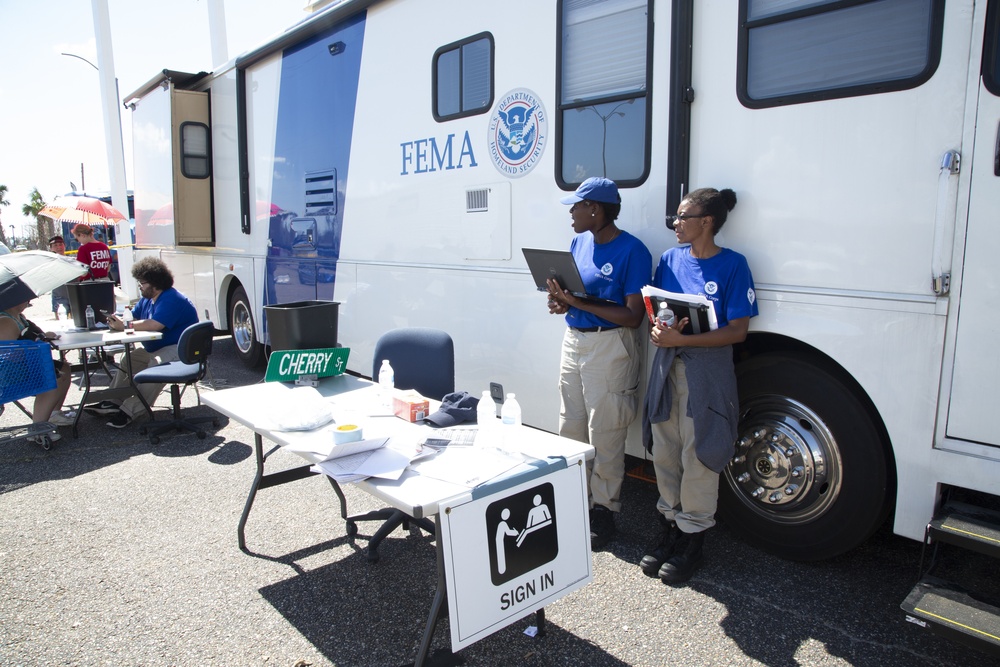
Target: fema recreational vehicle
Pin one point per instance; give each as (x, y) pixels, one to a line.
(396, 156)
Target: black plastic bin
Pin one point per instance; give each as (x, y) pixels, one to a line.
(99, 294)
(303, 325)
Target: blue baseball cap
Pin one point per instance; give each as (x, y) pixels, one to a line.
(595, 188)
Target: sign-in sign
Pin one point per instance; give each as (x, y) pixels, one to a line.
(511, 552)
(290, 365)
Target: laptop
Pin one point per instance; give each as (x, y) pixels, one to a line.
(561, 265)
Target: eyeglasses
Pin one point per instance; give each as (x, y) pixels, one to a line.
(671, 219)
(143, 284)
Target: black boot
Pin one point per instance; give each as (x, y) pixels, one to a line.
(680, 567)
(662, 549)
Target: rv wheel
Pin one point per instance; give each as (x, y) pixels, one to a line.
(809, 479)
(241, 328)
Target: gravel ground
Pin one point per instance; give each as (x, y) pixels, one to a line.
(113, 551)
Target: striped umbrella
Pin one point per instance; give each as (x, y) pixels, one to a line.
(87, 210)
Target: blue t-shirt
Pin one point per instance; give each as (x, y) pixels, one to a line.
(171, 309)
(724, 279)
(609, 270)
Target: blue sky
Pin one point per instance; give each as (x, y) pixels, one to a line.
(50, 105)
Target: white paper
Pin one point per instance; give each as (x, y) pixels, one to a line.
(467, 466)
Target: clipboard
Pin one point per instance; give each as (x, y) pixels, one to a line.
(561, 265)
(697, 308)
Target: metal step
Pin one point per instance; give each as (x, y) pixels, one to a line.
(951, 611)
(967, 526)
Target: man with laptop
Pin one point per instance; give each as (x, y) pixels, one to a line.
(601, 351)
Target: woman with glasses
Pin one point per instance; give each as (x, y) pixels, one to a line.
(689, 424)
(601, 352)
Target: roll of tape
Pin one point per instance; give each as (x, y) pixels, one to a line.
(346, 433)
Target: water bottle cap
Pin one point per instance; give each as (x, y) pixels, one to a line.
(510, 395)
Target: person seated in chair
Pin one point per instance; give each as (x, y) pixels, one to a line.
(161, 308)
(48, 405)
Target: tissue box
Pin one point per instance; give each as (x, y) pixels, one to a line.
(410, 406)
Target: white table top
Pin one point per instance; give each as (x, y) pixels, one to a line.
(75, 340)
(417, 495)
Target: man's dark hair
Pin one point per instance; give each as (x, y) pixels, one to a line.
(153, 271)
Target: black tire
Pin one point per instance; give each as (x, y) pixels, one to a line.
(242, 329)
(810, 479)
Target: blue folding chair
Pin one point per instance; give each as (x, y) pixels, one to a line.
(424, 360)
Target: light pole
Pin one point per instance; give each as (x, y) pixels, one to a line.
(604, 120)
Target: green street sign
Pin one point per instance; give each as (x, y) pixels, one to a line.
(289, 365)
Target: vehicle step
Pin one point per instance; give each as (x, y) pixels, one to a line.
(951, 611)
(967, 526)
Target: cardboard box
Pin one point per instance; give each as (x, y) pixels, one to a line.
(410, 405)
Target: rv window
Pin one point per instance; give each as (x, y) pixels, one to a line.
(463, 78)
(194, 150)
(802, 51)
(604, 80)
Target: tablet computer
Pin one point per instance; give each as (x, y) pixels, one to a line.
(561, 265)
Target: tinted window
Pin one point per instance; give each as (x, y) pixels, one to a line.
(463, 77)
(991, 49)
(194, 150)
(604, 83)
(800, 51)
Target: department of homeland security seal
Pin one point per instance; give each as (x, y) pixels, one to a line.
(518, 132)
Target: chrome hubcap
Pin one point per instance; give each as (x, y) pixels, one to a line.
(787, 465)
(242, 327)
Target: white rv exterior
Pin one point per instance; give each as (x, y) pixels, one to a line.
(349, 160)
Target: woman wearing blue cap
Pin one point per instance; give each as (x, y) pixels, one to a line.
(601, 354)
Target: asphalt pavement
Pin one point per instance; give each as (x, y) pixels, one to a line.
(114, 551)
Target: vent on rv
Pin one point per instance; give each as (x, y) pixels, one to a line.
(321, 192)
(477, 201)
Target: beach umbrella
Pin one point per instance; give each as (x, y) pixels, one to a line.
(26, 275)
(87, 210)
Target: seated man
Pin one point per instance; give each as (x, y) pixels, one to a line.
(161, 308)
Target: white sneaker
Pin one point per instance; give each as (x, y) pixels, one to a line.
(62, 418)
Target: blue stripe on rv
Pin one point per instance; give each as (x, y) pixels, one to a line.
(316, 105)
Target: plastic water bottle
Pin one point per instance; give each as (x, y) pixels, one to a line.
(91, 323)
(61, 312)
(486, 411)
(486, 418)
(665, 316)
(510, 413)
(386, 381)
(127, 318)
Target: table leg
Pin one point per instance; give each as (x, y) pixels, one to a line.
(262, 481)
(440, 597)
(258, 446)
(86, 391)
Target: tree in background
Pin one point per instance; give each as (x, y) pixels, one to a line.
(3, 202)
(43, 226)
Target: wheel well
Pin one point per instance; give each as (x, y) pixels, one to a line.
(769, 343)
(228, 289)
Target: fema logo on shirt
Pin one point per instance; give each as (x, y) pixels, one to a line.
(607, 269)
(711, 287)
(517, 133)
(751, 295)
